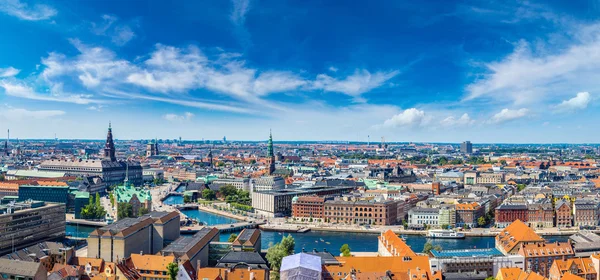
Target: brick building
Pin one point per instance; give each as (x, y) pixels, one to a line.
(308, 207)
(539, 257)
(564, 217)
(507, 213)
(468, 213)
(540, 215)
(361, 212)
(582, 267)
(585, 213)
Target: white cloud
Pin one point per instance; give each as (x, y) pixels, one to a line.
(408, 118)
(276, 82)
(579, 102)
(20, 113)
(238, 13)
(123, 34)
(333, 69)
(9, 72)
(93, 66)
(173, 75)
(24, 91)
(95, 108)
(354, 85)
(543, 72)
(175, 117)
(120, 34)
(464, 120)
(508, 115)
(26, 12)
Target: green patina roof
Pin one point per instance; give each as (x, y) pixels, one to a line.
(124, 193)
(372, 183)
(85, 195)
(208, 179)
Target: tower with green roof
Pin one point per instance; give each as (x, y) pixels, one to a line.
(270, 154)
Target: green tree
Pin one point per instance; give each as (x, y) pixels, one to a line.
(187, 199)
(2, 178)
(112, 199)
(445, 226)
(443, 161)
(124, 210)
(93, 210)
(277, 252)
(143, 211)
(490, 278)
(520, 187)
(232, 237)
(208, 194)
(172, 270)
(503, 162)
(428, 247)
(228, 190)
(481, 221)
(345, 250)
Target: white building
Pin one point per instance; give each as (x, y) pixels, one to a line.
(423, 216)
(239, 183)
(267, 184)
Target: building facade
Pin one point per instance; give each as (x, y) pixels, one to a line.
(23, 224)
(147, 234)
(585, 213)
(111, 170)
(362, 212)
(423, 217)
(467, 214)
(564, 215)
(508, 213)
(539, 257)
(307, 207)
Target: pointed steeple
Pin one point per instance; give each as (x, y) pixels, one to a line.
(109, 147)
(270, 145)
(270, 154)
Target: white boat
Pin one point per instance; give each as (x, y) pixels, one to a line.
(445, 233)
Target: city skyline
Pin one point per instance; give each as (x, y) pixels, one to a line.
(494, 72)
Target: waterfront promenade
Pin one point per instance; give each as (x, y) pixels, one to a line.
(282, 225)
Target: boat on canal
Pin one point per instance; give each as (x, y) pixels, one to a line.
(445, 234)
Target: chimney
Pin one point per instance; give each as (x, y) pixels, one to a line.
(141, 253)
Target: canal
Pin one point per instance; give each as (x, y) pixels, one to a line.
(331, 241)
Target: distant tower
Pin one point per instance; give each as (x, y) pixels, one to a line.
(270, 154)
(466, 147)
(152, 148)
(6, 151)
(109, 147)
(210, 157)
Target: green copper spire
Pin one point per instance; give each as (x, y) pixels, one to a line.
(270, 145)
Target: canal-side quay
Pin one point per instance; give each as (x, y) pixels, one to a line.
(280, 225)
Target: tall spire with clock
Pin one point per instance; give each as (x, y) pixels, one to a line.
(109, 147)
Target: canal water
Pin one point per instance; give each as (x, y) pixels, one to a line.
(331, 241)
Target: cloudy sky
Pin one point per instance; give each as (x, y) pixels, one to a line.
(446, 71)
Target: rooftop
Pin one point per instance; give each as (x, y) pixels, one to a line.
(185, 244)
(20, 268)
(466, 253)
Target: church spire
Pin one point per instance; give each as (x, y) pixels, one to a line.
(109, 147)
(270, 145)
(270, 154)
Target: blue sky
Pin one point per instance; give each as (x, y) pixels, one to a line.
(440, 71)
